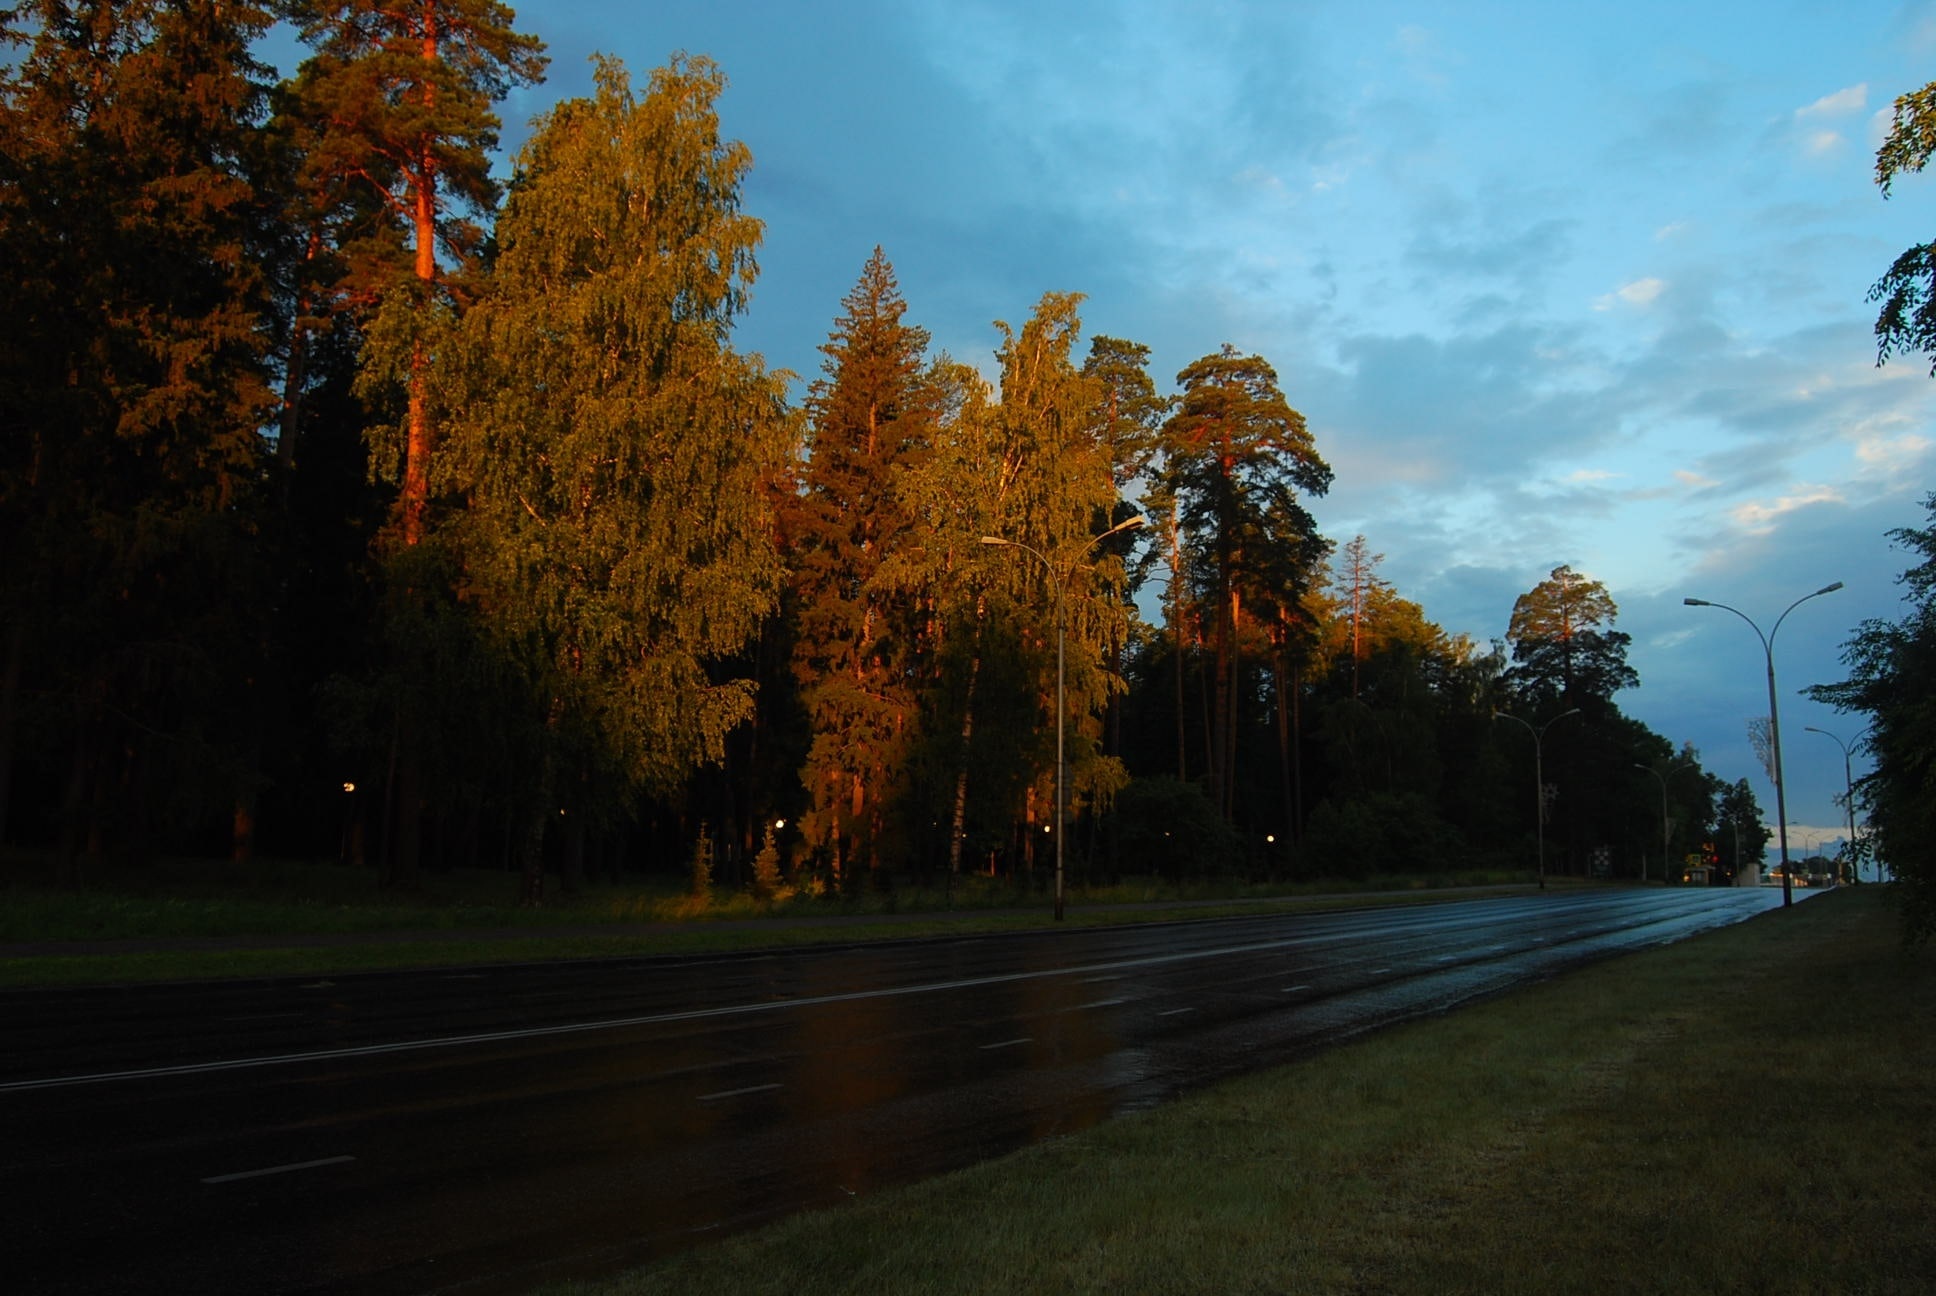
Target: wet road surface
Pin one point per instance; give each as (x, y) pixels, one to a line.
(484, 1130)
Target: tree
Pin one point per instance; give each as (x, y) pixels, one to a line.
(1563, 644)
(1359, 586)
(1890, 665)
(616, 452)
(1746, 840)
(399, 93)
(870, 419)
(1907, 292)
(132, 385)
(1236, 457)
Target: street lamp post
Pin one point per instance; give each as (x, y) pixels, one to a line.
(1848, 795)
(1774, 716)
(1662, 780)
(1539, 781)
(1061, 592)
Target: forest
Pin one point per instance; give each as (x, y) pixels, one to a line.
(357, 506)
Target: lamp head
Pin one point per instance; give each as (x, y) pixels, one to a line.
(993, 540)
(1829, 589)
(1694, 602)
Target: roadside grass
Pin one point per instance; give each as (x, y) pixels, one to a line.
(1749, 1111)
(185, 919)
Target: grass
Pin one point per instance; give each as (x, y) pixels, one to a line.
(1750, 1112)
(200, 919)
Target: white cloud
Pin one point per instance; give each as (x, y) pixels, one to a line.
(1843, 102)
(1592, 475)
(1759, 518)
(1818, 143)
(1671, 230)
(1640, 292)
(1694, 479)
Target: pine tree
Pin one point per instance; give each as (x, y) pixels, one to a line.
(1236, 457)
(399, 97)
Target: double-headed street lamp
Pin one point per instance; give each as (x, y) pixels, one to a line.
(1848, 798)
(1539, 780)
(1061, 591)
(1774, 716)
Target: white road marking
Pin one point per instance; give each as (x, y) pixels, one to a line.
(276, 1170)
(1293, 989)
(660, 1018)
(738, 1093)
(1026, 1039)
(1176, 1012)
(1100, 1003)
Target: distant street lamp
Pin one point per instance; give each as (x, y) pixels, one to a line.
(1539, 780)
(1848, 798)
(1665, 867)
(1774, 716)
(1061, 592)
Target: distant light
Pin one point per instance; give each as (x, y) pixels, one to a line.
(349, 787)
(779, 823)
(1269, 838)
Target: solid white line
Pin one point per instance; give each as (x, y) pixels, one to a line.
(1378, 972)
(738, 1093)
(1026, 1039)
(276, 1170)
(1100, 1003)
(654, 1019)
(1293, 989)
(1176, 1012)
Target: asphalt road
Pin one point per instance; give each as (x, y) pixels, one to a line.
(484, 1130)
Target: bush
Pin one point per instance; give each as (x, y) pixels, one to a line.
(1169, 827)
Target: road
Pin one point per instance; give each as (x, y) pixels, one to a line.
(487, 1129)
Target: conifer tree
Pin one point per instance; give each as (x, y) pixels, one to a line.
(132, 385)
(870, 418)
(1236, 457)
(399, 94)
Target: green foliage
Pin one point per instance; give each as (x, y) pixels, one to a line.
(702, 863)
(1907, 292)
(615, 453)
(1890, 664)
(871, 420)
(132, 384)
(1382, 832)
(1564, 647)
(1172, 829)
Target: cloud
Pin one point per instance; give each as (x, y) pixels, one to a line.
(1842, 103)
(1759, 517)
(1640, 292)
(1592, 475)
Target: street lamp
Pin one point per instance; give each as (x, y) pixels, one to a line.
(1539, 781)
(1664, 868)
(1774, 716)
(1061, 591)
(1848, 796)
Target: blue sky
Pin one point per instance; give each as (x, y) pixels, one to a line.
(1576, 283)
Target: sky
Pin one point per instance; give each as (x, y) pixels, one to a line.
(1577, 284)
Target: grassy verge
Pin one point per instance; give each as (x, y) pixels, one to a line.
(199, 919)
(1746, 1112)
